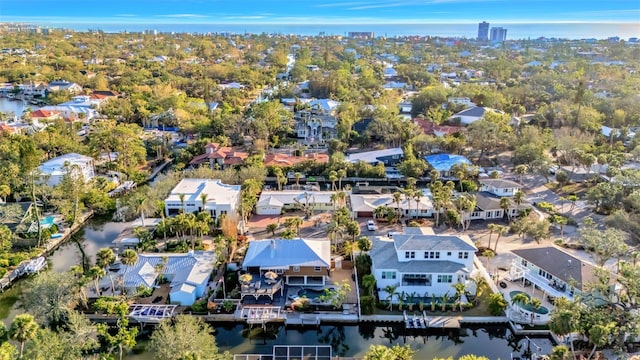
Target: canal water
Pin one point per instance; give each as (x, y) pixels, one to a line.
(346, 340)
(15, 107)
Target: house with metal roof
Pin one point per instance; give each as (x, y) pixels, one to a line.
(188, 274)
(52, 171)
(300, 262)
(419, 261)
(275, 202)
(388, 157)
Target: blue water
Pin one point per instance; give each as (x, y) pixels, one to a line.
(310, 293)
(48, 221)
(468, 30)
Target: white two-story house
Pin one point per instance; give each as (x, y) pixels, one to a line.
(420, 262)
(489, 197)
(209, 195)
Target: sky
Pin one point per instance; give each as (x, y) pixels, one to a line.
(319, 11)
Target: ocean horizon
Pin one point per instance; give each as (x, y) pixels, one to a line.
(515, 31)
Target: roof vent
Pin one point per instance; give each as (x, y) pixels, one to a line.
(569, 261)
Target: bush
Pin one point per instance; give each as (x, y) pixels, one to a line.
(3, 271)
(367, 304)
(199, 306)
(16, 259)
(228, 306)
(548, 207)
(302, 305)
(144, 291)
(4, 263)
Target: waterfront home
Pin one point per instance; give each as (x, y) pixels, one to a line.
(388, 157)
(44, 116)
(53, 170)
(552, 270)
(420, 262)
(208, 195)
(74, 111)
(299, 262)
(365, 205)
(187, 274)
(275, 202)
(13, 215)
(62, 85)
(444, 162)
(219, 157)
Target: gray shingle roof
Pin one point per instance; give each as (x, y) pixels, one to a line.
(560, 264)
(500, 183)
(432, 242)
(383, 256)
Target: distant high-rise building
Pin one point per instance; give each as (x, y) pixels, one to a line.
(498, 34)
(483, 31)
(361, 35)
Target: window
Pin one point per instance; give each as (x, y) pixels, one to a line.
(223, 212)
(448, 253)
(191, 204)
(296, 269)
(525, 262)
(506, 190)
(445, 279)
(463, 255)
(409, 254)
(389, 275)
(432, 254)
(317, 269)
(497, 213)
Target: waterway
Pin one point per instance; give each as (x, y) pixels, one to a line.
(15, 107)
(346, 340)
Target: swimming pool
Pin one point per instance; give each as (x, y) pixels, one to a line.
(541, 310)
(311, 293)
(47, 221)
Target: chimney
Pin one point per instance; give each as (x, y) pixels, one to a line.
(569, 261)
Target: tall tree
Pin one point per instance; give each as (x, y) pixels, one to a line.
(23, 328)
(186, 337)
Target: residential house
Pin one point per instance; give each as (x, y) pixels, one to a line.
(217, 156)
(389, 157)
(300, 262)
(62, 85)
(280, 159)
(444, 162)
(275, 202)
(45, 116)
(219, 198)
(430, 128)
(365, 205)
(419, 261)
(52, 171)
(472, 114)
(12, 215)
(73, 112)
(315, 126)
(555, 271)
(459, 101)
(489, 197)
(188, 274)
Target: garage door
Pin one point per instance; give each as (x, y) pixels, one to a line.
(365, 214)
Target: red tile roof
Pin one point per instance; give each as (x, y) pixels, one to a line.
(6, 129)
(430, 128)
(44, 114)
(226, 153)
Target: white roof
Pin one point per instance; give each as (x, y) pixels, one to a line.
(279, 253)
(55, 166)
(289, 197)
(373, 156)
(184, 288)
(367, 202)
(193, 268)
(217, 192)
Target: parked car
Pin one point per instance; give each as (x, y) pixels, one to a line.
(371, 226)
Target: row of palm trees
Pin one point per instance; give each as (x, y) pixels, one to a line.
(411, 299)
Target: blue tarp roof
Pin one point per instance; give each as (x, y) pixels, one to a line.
(444, 162)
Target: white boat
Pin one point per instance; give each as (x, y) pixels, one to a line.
(34, 266)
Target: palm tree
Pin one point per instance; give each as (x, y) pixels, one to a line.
(297, 176)
(181, 197)
(500, 230)
(564, 320)
(272, 228)
(518, 198)
(460, 289)
(520, 299)
(434, 175)
(369, 283)
(417, 196)
(391, 292)
(128, 258)
(333, 177)
(140, 202)
(341, 197)
(342, 173)
(364, 243)
(96, 273)
(397, 197)
(492, 229)
(480, 283)
(408, 196)
(105, 258)
(5, 191)
(505, 204)
(160, 206)
(204, 197)
(23, 328)
(520, 170)
(294, 223)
